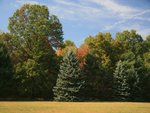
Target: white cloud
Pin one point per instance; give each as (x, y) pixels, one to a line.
(109, 27)
(115, 7)
(19, 3)
(69, 10)
(122, 12)
(27, 1)
(84, 10)
(135, 16)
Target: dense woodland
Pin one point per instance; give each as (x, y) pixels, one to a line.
(36, 62)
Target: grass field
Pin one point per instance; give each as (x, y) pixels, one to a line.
(66, 107)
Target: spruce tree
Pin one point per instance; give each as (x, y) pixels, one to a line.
(69, 82)
(121, 87)
(134, 84)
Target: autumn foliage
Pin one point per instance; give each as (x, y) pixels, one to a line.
(82, 51)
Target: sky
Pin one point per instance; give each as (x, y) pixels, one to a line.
(81, 18)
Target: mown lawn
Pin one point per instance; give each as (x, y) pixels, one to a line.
(74, 107)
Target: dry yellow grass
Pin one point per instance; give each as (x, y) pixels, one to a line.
(74, 107)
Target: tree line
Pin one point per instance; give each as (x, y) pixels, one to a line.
(36, 62)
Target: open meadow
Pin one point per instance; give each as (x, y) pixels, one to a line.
(74, 107)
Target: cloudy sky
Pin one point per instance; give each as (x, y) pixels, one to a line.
(81, 18)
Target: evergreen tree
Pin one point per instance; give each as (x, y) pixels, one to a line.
(93, 78)
(121, 87)
(134, 72)
(133, 81)
(69, 82)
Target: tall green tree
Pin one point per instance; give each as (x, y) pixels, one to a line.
(92, 73)
(121, 87)
(134, 84)
(101, 47)
(126, 85)
(34, 35)
(69, 82)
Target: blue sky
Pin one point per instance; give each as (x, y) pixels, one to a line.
(81, 18)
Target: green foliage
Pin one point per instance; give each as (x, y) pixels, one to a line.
(146, 86)
(133, 41)
(146, 78)
(101, 46)
(6, 75)
(33, 35)
(34, 21)
(134, 84)
(92, 73)
(98, 81)
(147, 59)
(121, 87)
(146, 44)
(69, 80)
(69, 43)
(56, 33)
(35, 80)
(126, 82)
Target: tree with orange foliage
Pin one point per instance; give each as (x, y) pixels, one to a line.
(82, 51)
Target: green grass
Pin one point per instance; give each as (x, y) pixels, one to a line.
(74, 107)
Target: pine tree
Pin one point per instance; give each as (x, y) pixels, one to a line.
(121, 87)
(69, 82)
